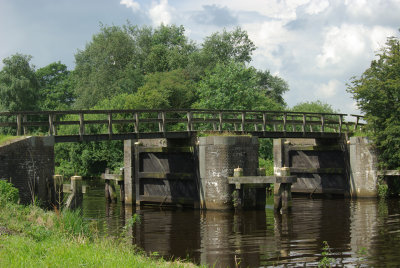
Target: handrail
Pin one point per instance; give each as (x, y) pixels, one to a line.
(159, 110)
(244, 121)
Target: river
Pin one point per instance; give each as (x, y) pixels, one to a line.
(361, 233)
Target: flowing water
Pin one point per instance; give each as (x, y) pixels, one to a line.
(360, 233)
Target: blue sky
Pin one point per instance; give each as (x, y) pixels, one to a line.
(315, 45)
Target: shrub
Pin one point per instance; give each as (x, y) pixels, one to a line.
(8, 193)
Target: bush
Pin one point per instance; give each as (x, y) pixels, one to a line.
(8, 193)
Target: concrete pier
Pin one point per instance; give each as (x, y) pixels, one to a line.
(218, 157)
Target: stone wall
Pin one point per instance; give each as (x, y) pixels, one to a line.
(29, 164)
(363, 167)
(218, 157)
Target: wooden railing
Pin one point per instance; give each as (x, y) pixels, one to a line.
(169, 121)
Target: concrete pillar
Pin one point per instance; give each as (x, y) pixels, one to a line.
(218, 157)
(363, 168)
(129, 166)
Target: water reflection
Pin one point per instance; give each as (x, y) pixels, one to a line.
(364, 232)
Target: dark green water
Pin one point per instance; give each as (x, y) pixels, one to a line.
(359, 233)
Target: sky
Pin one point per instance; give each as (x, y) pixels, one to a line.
(316, 46)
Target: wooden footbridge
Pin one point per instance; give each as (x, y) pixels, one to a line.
(97, 125)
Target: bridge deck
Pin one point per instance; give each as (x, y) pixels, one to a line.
(97, 125)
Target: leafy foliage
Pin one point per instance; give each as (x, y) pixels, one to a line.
(313, 107)
(8, 193)
(18, 84)
(131, 67)
(56, 87)
(377, 93)
(232, 85)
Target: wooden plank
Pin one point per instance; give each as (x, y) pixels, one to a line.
(113, 177)
(167, 176)
(187, 149)
(315, 148)
(317, 170)
(166, 200)
(388, 173)
(262, 179)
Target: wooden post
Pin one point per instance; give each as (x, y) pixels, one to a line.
(284, 122)
(243, 120)
(340, 123)
(136, 124)
(304, 124)
(238, 193)
(58, 189)
(160, 124)
(51, 125)
(19, 124)
(220, 122)
(189, 121)
(109, 189)
(75, 199)
(214, 124)
(164, 128)
(24, 120)
(283, 195)
(122, 185)
(322, 123)
(110, 131)
(81, 126)
(264, 122)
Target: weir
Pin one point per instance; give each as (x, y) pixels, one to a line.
(167, 163)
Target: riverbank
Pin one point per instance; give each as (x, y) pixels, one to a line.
(32, 237)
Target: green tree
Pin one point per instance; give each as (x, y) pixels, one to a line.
(101, 66)
(118, 58)
(227, 46)
(232, 86)
(18, 84)
(164, 90)
(377, 93)
(56, 87)
(273, 86)
(313, 107)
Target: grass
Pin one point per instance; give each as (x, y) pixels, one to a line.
(32, 237)
(6, 138)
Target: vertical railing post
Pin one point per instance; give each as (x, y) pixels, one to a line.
(243, 121)
(51, 125)
(340, 123)
(255, 124)
(214, 124)
(81, 126)
(189, 121)
(24, 120)
(220, 122)
(304, 124)
(284, 122)
(322, 123)
(110, 130)
(160, 125)
(164, 128)
(19, 124)
(136, 123)
(264, 122)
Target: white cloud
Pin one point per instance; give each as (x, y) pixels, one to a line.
(135, 6)
(342, 44)
(328, 90)
(316, 6)
(160, 13)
